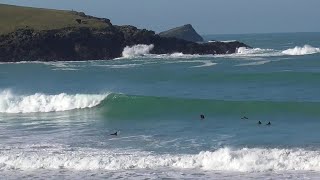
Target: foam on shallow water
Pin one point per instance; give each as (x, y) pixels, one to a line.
(224, 159)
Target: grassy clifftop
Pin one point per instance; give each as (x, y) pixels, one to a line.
(16, 17)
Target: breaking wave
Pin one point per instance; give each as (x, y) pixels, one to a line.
(137, 50)
(258, 52)
(12, 103)
(223, 159)
(141, 107)
(298, 51)
(242, 52)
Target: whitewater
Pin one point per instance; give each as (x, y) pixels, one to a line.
(143, 50)
(12, 103)
(56, 117)
(224, 159)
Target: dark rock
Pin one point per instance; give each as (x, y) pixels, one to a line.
(185, 32)
(83, 43)
(60, 45)
(78, 21)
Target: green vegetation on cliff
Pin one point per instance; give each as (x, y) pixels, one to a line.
(16, 17)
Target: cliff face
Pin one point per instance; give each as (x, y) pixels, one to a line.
(186, 32)
(60, 45)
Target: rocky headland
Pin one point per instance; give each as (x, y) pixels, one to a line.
(85, 37)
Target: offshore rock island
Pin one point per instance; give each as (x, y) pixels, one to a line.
(34, 34)
(186, 32)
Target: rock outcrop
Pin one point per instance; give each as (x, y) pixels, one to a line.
(61, 45)
(186, 32)
(93, 39)
(76, 44)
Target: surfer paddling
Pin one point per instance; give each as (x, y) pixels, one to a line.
(114, 134)
(244, 117)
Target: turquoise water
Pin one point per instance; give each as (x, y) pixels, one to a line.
(56, 117)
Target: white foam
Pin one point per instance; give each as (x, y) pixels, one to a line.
(298, 51)
(205, 64)
(184, 56)
(118, 66)
(255, 63)
(137, 50)
(224, 159)
(256, 52)
(65, 69)
(178, 55)
(12, 103)
(228, 41)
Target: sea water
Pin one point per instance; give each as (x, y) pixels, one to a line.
(56, 117)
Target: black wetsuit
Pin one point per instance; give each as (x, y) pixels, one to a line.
(114, 134)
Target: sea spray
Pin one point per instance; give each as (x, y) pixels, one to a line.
(137, 50)
(298, 51)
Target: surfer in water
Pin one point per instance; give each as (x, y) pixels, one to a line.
(202, 117)
(244, 117)
(114, 134)
(269, 123)
(259, 122)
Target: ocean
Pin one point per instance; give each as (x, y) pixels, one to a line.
(56, 117)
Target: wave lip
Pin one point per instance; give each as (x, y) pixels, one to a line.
(299, 51)
(137, 50)
(38, 102)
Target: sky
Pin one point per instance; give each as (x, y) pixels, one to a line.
(207, 16)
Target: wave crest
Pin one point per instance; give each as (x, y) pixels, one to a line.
(137, 50)
(298, 51)
(11, 103)
(258, 52)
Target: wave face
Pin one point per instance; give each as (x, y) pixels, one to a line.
(223, 159)
(137, 50)
(305, 50)
(127, 107)
(11, 103)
